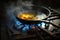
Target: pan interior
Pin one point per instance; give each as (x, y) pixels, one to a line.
(31, 16)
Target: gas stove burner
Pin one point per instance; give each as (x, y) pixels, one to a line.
(44, 17)
(26, 27)
(30, 20)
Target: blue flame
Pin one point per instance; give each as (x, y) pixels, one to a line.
(18, 23)
(39, 24)
(25, 28)
(43, 25)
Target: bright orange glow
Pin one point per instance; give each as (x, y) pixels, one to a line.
(27, 16)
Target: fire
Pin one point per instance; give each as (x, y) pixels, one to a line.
(26, 16)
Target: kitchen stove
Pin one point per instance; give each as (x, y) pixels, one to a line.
(44, 25)
(48, 25)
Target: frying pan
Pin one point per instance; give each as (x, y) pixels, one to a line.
(42, 9)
